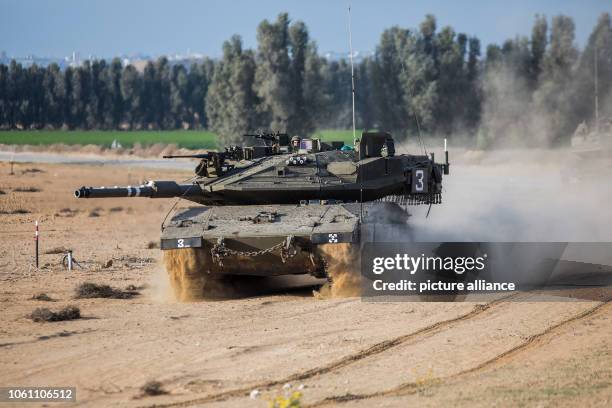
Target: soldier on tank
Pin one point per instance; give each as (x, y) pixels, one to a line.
(295, 144)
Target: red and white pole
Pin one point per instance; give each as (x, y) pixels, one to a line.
(36, 242)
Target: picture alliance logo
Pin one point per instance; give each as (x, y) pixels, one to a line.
(413, 264)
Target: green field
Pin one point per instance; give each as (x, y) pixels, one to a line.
(191, 139)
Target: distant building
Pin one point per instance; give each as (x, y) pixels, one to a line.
(138, 60)
(358, 56)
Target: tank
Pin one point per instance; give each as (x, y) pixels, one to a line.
(593, 143)
(281, 206)
(591, 152)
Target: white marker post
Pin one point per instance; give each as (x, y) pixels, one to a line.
(70, 260)
(36, 234)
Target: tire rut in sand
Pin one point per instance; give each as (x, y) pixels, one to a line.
(500, 359)
(345, 361)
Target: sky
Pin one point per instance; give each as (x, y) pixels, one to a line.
(107, 28)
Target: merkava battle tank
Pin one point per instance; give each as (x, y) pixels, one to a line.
(595, 143)
(591, 152)
(272, 208)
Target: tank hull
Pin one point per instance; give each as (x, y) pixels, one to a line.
(268, 240)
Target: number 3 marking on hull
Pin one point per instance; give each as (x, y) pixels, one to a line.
(420, 175)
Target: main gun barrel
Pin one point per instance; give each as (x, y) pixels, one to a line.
(188, 156)
(153, 189)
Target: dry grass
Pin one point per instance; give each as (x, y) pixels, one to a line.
(56, 250)
(13, 204)
(15, 211)
(66, 212)
(27, 190)
(42, 297)
(32, 170)
(42, 314)
(153, 388)
(90, 290)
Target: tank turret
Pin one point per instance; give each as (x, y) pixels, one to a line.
(315, 171)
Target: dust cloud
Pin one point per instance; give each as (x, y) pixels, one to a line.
(343, 269)
(512, 114)
(525, 195)
(161, 290)
(187, 277)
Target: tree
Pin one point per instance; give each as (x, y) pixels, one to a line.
(98, 108)
(538, 49)
(15, 94)
(179, 113)
(34, 116)
(150, 96)
(452, 81)
(273, 80)
(364, 106)
(4, 97)
(554, 98)
(131, 94)
(68, 98)
(161, 94)
(388, 92)
(300, 122)
(313, 92)
(116, 110)
(53, 88)
(598, 49)
(473, 97)
(336, 76)
(81, 87)
(231, 103)
(198, 79)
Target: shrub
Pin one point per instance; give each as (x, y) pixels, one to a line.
(90, 290)
(42, 314)
(152, 388)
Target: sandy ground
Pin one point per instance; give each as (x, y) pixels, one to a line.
(215, 353)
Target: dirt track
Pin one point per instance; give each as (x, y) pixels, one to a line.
(338, 351)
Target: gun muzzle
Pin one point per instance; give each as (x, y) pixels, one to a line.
(153, 189)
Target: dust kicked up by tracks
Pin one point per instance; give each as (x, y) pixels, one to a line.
(188, 277)
(342, 269)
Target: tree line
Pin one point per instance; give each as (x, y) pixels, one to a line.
(435, 80)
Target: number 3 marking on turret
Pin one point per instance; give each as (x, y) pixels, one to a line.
(180, 243)
(420, 175)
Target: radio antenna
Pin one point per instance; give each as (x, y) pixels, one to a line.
(353, 100)
(352, 71)
(596, 75)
